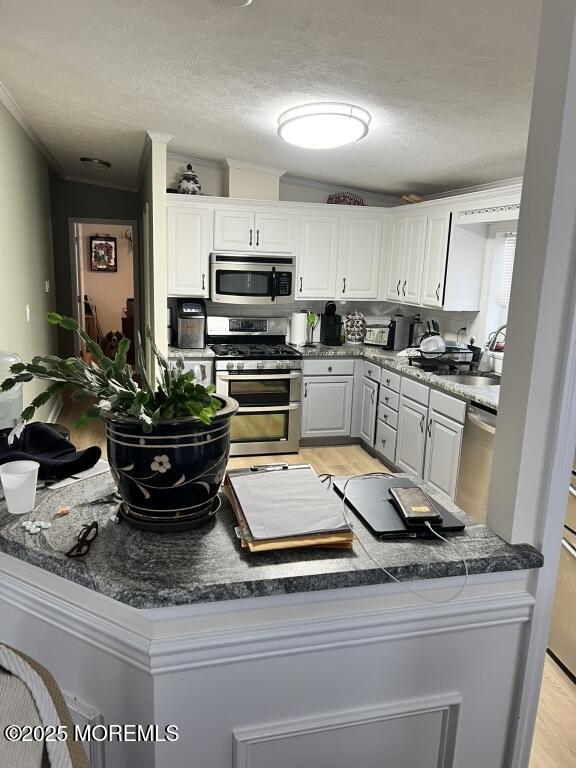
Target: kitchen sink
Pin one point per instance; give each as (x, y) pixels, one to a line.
(471, 380)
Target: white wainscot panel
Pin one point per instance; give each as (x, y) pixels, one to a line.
(419, 734)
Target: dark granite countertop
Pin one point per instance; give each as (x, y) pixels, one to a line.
(485, 396)
(148, 570)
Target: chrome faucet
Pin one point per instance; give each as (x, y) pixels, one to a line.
(497, 332)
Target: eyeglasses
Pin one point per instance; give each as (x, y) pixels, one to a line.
(85, 539)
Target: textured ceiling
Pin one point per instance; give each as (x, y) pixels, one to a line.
(448, 83)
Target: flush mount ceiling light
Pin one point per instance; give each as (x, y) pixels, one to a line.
(236, 3)
(324, 125)
(95, 162)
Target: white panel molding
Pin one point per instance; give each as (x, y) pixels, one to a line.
(243, 166)
(330, 187)
(449, 704)
(159, 138)
(83, 715)
(8, 101)
(194, 160)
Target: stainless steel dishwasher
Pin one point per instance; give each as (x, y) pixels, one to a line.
(476, 462)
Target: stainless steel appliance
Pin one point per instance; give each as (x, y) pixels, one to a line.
(381, 335)
(240, 278)
(191, 327)
(562, 639)
(254, 365)
(476, 462)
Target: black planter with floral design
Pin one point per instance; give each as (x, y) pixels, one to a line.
(169, 478)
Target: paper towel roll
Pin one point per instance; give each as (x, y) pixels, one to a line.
(298, 323)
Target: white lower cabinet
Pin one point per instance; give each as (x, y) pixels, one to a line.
(326, 406)
(369, 408)
(385, 442)
(411, 441)
(443, 453)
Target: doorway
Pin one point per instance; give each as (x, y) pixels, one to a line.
(105, 282)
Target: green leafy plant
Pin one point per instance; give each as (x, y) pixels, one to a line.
(111, 382)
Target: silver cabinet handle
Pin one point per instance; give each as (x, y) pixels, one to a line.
(398, 287)
(404, 288)
(385, 417)
(300, 283)
(388, 382)
(343, 285)
(386, 399)
(203, 281)
(438, 291)
(257, 237)
(383, 441)
(329, 369)
(429, 428)
(372, 397)
(422, 423)
(250, 243)
(369, 372)
(306, 389)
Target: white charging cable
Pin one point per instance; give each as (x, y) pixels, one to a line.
(430, 528)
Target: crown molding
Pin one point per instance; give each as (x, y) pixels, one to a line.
(98, 183)
(516, 181)
(240, 165)
(8, 101)
(159, 138)
(392, 199)
(194, 160)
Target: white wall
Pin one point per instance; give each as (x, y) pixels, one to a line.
(25, 249)
(108, 290)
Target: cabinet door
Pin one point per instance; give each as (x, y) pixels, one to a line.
(435, 255)
(443, 453)
(360, 242)
(411, 438)
(233, 230)
(396, 248)
(326, 406)
(413, 259)
(189, 235)
(317, 257)
(385, 443)
(274, 232)
(369, 408)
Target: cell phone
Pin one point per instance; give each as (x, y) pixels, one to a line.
(414, 507)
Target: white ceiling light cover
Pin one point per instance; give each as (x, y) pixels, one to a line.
(323, 125)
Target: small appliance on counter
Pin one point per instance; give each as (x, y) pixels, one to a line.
(191, 324)
(331, 326)
(381, 335)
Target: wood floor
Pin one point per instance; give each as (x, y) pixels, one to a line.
(555, 736)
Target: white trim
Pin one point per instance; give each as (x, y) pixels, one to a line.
(100, 183)
(159, 138)
(448, 703)
(331, 186)
(517, 180)
(9, 102)
(193, 160)
(240, 165)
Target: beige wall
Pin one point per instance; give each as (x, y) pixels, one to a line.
(25, 249)
(108, 290)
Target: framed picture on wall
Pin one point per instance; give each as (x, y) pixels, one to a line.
(103, 254)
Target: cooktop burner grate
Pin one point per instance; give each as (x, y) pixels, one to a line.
(254, 351)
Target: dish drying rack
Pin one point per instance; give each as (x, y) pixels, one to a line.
(451, 358)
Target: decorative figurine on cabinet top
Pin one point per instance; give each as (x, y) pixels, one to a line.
(189, 184)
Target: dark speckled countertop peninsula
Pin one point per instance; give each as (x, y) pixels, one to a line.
(148, 570)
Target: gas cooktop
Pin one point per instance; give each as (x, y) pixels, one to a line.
(254, 351)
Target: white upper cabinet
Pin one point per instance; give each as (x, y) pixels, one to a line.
(233, 230)
(240, 229)
(189, 238)
(317, 257)
(413, 258)
(273, 232)
(396, 248)
(435, 255)
(360, 247)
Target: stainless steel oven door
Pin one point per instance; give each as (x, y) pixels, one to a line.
(260, 389)
(252, 281)
(262, 430)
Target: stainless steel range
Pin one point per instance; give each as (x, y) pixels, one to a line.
(256, 367)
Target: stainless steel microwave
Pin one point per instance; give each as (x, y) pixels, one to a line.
(242, 278)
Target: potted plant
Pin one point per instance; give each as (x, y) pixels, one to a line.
(168, 445)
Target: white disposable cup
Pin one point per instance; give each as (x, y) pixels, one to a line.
(19, 480)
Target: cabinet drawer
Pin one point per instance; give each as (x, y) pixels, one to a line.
(390, 380)
(388, 416)
(328, 365)
(447, 405)
(415, 391)
(385, 441)
(389, 398)
(372, 371)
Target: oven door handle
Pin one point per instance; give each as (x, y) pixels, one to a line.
(268, 408)
(257, 377)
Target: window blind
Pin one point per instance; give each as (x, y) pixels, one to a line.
(507, 269)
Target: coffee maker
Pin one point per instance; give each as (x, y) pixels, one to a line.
(331, 326)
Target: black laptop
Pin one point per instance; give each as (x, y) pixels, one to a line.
(369, 499)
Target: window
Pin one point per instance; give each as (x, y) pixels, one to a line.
(507, 268)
